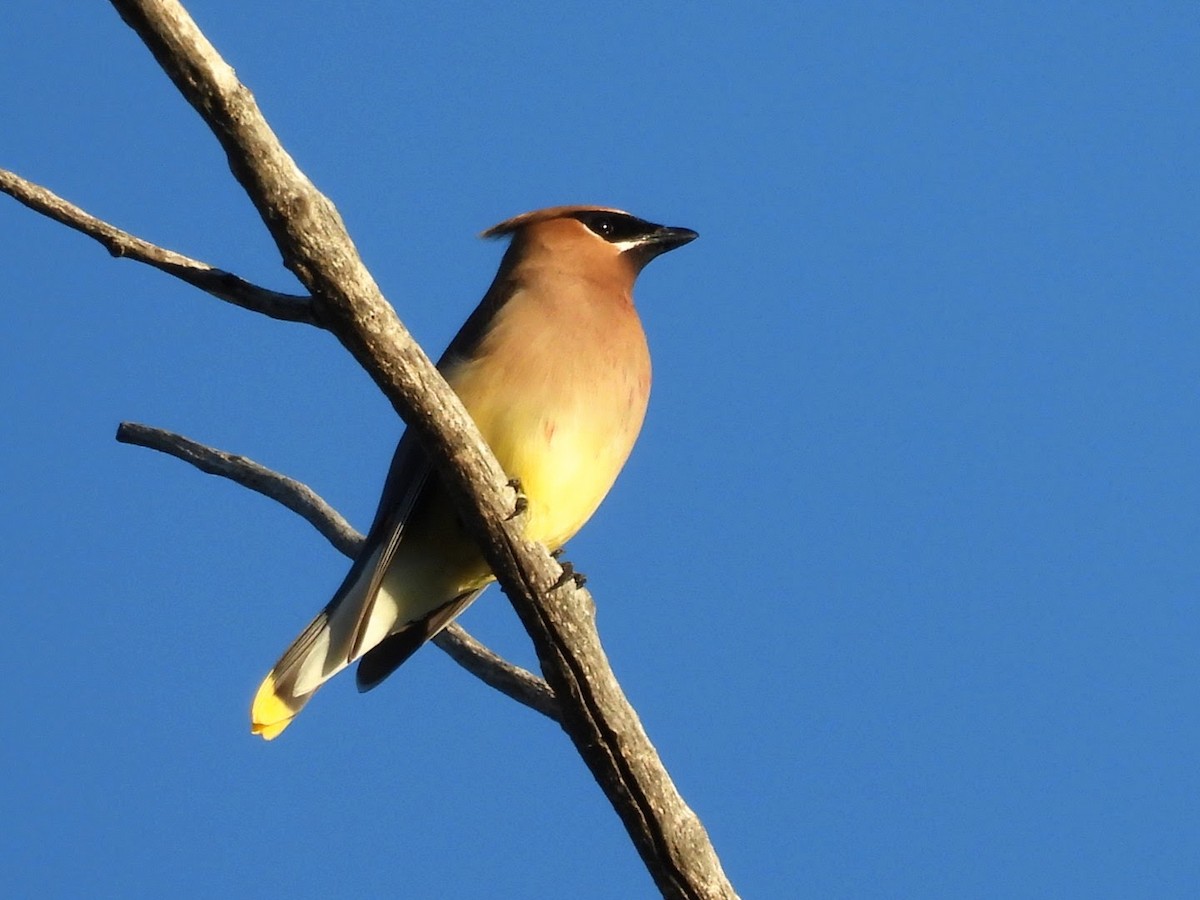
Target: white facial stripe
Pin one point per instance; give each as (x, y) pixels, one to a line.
(622, 246)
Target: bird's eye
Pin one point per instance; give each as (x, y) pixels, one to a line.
(614, 226)
(603, 224)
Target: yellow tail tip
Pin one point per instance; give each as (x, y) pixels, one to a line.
(269, 713)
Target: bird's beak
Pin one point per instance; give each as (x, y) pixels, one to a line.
(659, 241)
(666, 238)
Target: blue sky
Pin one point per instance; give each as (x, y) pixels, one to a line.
(902, 576)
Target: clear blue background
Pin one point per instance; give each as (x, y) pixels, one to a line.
(902, 576)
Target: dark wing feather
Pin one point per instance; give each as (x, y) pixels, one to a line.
(390, 653)
(406, 479)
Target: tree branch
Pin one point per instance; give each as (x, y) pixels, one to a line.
(297, 497)
(497, 672)
(314, 244)
(490, 668)
(221, 284)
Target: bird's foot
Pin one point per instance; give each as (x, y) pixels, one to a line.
(569, 574)
(521, 503)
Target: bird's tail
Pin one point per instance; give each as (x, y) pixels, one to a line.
(348, 625)
(362, 621)
(293, 680)
(323, 649)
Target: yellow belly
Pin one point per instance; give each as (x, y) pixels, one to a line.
(565, 468)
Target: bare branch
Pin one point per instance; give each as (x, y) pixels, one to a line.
(490, 668)
(497, 672)
(297, 497)
(219, 283)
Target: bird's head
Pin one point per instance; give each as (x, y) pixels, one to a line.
(590, 237)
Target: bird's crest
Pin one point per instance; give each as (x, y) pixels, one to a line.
(509, 226)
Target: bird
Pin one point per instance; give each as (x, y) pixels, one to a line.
(554, 369)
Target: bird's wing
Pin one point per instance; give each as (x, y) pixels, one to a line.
(406, 478)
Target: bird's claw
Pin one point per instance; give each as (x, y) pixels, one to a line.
(569, 574)
(521, 503)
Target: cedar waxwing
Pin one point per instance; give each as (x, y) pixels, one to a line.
(553, 367)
